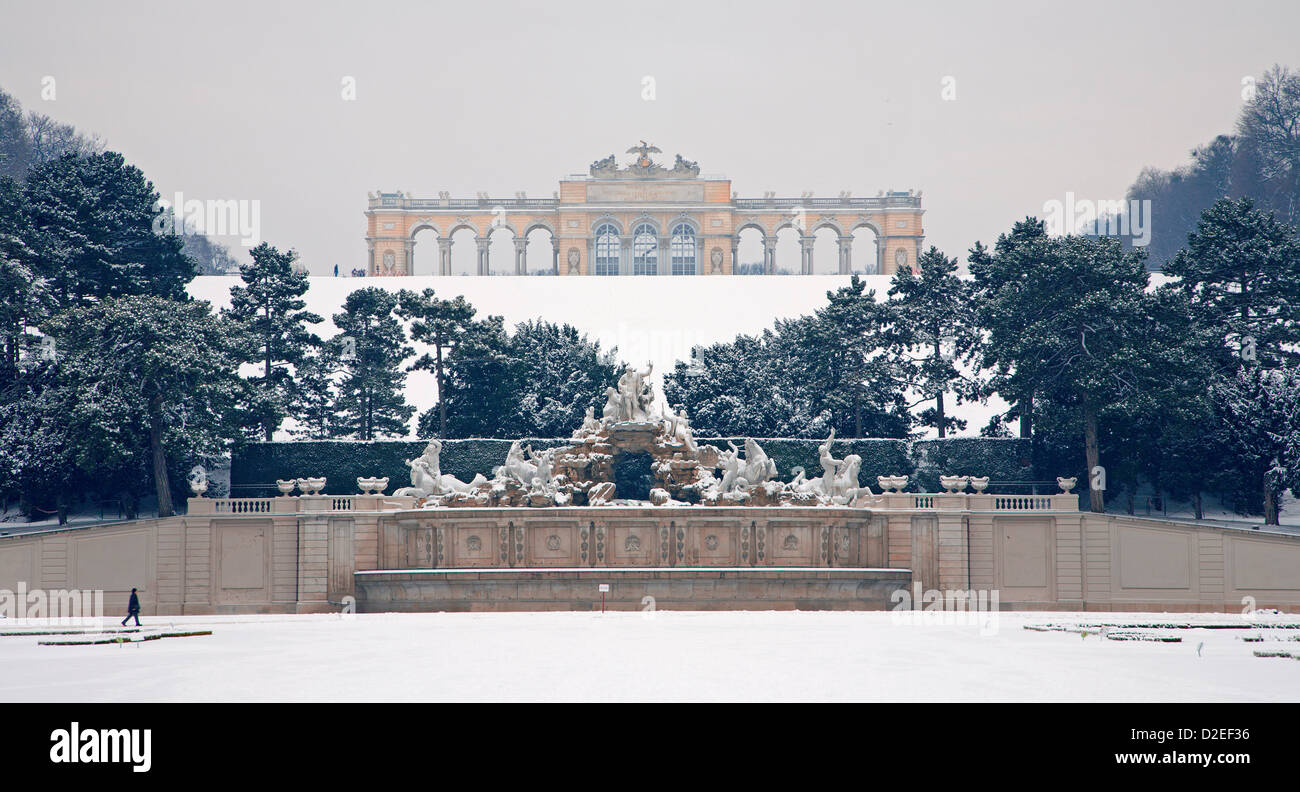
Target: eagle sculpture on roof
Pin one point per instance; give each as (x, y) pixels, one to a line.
(643, 153)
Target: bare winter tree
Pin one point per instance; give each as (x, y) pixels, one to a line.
(1270, 123)
(51, 140)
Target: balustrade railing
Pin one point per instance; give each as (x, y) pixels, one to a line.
(938, 501)
(242, 505)
(1021, 502)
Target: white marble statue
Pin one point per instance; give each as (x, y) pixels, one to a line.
(844, 485)
(517, 465)
(544, 473)
(633, 399)
(738, 475)
(730, 463)
(679, 428)
(589, 424)
(427, 478)
(759, 467)
(613, 406)
(829, 463)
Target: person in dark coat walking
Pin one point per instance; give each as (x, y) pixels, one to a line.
(132, 609)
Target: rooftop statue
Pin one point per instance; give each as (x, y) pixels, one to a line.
(644, 166)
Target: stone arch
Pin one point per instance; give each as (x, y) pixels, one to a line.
(606, 219)
(787, 222)
(751, 250)
(826, 222)
(461, 225)
(422, 225)
(464, 249)
(539, 250)
(501, 249)
(865, 256)
(645, 219)
(789, 253)
(863, 222)
(539, 223)
(826, 249)
(693, 222)
(425, 250)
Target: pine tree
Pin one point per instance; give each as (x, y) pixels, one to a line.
(480, 381)
(441, 324)
(991, 272)
(932, 325)
(558, 374)
(801, 378)
(369, 351)
(1073, 326)
(143, 384)
(94, 231)
(24, 295)
(1241, 271)
(269, 309)
(1258, 411)
(313, 405)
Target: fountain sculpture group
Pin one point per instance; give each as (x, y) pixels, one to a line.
(635, 432)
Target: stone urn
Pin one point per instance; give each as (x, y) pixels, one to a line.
(372, 486)
(954, 484)
(311, 486)
(892, 483)
(979, 483)
(1067, 484)
(286, 487)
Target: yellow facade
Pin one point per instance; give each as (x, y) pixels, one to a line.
(689, 224)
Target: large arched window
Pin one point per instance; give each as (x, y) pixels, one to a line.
(683, 250)
(607, 250)
(645, 251)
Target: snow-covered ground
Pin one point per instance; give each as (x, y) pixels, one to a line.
(647, 318)
(669, 656)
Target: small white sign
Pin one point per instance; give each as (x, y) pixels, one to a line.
(604, 588)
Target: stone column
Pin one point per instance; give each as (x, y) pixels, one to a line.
(806, 253)
(370, 256)
(444, 255)
(663, 256)
(521, 255)
(735, 254)
(408, 256)
(555, 254)
(624, 255)
(769, 255)
(846, 255)
(483, 244)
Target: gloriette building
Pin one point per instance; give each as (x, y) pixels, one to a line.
(642, 219)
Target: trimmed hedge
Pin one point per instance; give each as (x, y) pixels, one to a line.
(1001, 459)
(256, 466)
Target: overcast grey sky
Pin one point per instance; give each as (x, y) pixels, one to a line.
(242, 100)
